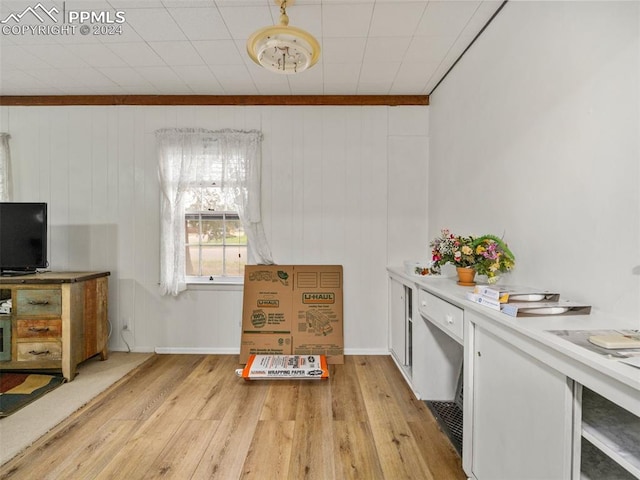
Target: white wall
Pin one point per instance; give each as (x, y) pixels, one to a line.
(335, 179)
(536, 134)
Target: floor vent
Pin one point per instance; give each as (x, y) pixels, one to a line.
(449, 417)
(449, 414)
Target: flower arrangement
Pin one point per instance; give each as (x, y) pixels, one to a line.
(449, 248)
(493, 257)
(488, 254)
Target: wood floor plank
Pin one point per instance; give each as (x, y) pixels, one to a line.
(436, 448)
(312, 451)
(397, 449)
(190, 417)
(153, 383)
(40, 454)
(347, 402)
(412, 408)
(270, 451)
(138, 455)
(98, 449)
(181, 455)
(226, 453)
(118, 402)
(224, 390)
(282, 400)
(97, 452)
(440, 455)
(356, 454)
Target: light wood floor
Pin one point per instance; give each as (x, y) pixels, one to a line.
(190, 417)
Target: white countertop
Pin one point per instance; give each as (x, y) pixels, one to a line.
(596, 371)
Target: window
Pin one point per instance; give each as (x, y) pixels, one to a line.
(210, 224)
(216, 243)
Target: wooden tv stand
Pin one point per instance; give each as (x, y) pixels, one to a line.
(57, 320)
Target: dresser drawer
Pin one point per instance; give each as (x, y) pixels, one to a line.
(45, 302)
(36, 328)
(38, 351)
(443, 314)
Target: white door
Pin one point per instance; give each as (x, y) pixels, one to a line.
(397, 319)
(521, 414)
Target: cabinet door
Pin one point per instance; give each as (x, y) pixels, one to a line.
(397, 319)
(521, 414)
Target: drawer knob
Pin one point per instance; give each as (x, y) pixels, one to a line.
(38, 329)
(424, 304)
(38, 302)
(450, 319)
(45, 352)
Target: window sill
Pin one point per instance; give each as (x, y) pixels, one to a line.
(218, 284)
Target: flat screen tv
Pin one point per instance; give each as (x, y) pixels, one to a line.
(23, 237)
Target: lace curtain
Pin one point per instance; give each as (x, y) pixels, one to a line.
(5, 168)
(230, 159)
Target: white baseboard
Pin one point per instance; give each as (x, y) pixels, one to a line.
(134, 349)
(366, 351)
(197, 351)
(231, 351)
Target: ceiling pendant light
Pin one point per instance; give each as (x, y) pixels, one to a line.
(281, 48)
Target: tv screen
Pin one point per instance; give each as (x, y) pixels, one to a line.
(23, 236)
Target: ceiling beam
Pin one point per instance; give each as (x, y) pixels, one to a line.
(64, 100)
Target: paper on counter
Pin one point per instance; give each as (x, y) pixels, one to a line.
(633, 361)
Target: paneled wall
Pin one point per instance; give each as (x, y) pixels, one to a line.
(536, 135)
(341, 185)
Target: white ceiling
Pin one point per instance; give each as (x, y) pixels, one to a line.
(184, 47)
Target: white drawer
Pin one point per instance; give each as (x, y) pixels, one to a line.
(441, 313)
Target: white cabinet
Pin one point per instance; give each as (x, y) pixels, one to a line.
(610, 439)
(536, 406)
(517, 413)
(441, 352)
(446, 316)
(440, 347)
(421, 358)
(400, 323)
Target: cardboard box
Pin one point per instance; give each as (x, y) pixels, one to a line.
(265, 344)
(311, 346)
(303, 301)
(267, 299)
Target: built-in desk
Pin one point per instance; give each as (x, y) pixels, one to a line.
(536, 406)
(56, 321)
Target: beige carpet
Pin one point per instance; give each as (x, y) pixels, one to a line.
(21, 429)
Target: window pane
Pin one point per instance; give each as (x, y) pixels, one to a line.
(192, 264)
(212, 232)
(193, 231)
(216, 242)
(212, 260)
(236, 259)
(235, 233)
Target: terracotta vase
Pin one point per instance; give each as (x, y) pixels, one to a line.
(466, 276)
